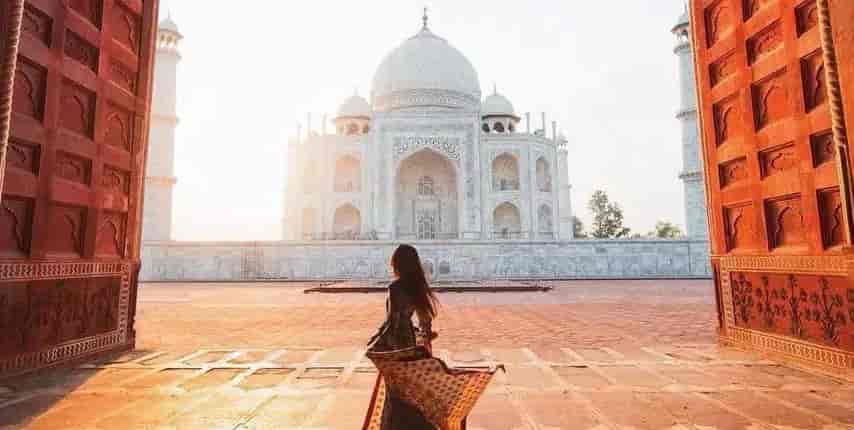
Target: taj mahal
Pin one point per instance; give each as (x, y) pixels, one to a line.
(427, 159)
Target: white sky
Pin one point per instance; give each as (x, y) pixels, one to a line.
(605, 70)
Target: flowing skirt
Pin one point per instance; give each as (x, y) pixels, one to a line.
(417, 391)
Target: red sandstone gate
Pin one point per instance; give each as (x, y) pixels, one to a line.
(73, 177)
(777, 174)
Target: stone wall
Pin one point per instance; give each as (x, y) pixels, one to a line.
(461, 260)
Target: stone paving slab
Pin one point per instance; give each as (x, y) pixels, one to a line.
(330, 389)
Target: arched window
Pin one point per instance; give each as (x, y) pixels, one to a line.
(426, 186)
(498, 127)
(544, 175)
(511, 128)
(485, 128)
(505, 173)
(352, 129)
(507, 221)
(347, 222)
(545, 221)
(348, 175)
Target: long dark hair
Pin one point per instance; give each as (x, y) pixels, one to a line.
(407, 264)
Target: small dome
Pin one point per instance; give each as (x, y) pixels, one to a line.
(355, 106)
(426, 62)
(169, 25)
(683, 21)
(497, 105)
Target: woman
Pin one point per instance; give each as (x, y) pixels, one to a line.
(409, 294)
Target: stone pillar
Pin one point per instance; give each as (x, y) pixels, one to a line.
(160, 169)
(563, 213)
(692, 161)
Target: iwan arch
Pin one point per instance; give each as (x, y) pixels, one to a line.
(428, 159)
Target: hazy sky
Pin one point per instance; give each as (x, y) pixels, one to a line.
(605, 70)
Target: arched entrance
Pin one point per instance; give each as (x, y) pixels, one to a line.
(426, 197)
(347, 223)
(507, 222)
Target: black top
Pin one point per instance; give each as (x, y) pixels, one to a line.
(398, 330)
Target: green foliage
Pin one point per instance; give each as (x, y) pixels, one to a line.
(666, 230)
(607, 217)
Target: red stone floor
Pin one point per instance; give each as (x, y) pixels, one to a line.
(586, 355)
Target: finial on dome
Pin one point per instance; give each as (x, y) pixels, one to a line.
(425, 18)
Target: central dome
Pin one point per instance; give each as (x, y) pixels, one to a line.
(425, 71)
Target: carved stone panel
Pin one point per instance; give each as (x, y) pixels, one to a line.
(88, 9)
(29, 94)
(813, 75)
(823, 149)
(830, 213)
(123, 75)
(37, 24)
(771, 100)
(778, 160)
(67, 227)
(720, 21)
(77, 48)
(740, 227)
(111, 235)
(23, 156)
(765, 42)
(818, 309)
(73, 168)
(785, 222)
(807, 16)
(733, 172)
(78, 109)
(722, 68)
(727, 120)
(753, 6)
(118, 129)
(126, 27)
(115, 179)
(15, 227)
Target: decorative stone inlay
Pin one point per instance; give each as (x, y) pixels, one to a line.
(449, 146)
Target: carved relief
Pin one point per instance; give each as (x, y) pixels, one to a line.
(813, 75)
(73, 168)
(778, 160)
(123, 76)
(118, 128)
(78, 109)
(719, 21)
(785, 222)
(111, 235)
(722, 68)
(727, 120)
(15, 226)
(807, 17)
(37, 24)
(770, 100)
(764, 42)
(81, 50)
(29, 93)
(66, 230)
(753, 6)
(23, 155)
(807, 307)
(126, 27)
(823, 149)
(443, 144)
(740, 233)
(114, 179)
(830, 213)
(733, 171)
(89, 9)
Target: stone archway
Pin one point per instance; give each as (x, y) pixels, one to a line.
(507, 221)
(544, 175)
(505, 173)
(348, 175)
(545, 222)
(426, 197)
(347, 222)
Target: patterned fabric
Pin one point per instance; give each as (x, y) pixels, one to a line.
(444, 396)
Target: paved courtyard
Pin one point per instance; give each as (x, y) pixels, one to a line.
(592, 354)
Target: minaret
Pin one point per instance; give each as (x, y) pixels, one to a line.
(692, 161)
(160, 168)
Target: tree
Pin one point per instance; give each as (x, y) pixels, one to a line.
(607, 217)
(666, 230)
(578, 228)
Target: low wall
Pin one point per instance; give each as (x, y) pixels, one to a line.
(451, 260)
